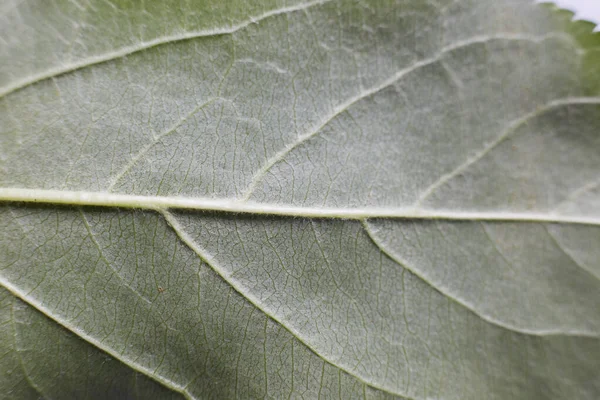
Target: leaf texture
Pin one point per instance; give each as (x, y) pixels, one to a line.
(330, 199)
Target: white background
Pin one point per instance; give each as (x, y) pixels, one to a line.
(584, 9)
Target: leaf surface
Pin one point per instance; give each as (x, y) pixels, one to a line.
(330, 199)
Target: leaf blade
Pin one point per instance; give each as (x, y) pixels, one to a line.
(275, 113)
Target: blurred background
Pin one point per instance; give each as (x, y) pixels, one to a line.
(583, 9)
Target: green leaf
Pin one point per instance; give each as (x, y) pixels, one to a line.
(270, 199)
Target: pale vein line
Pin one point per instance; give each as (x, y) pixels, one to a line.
(18, 352)
(512, 127)
(108, 263)
(567, 253)
(212, 263)
(127, 50)
(487, 318)
(118, 176)
(259, 175)
(578, 193)
(103, 199)
(40, 307)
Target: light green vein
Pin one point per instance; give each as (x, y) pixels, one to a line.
(503, 325)
(339, 109)
(18, 353)
(512, 128)
(119, 175)
(103, 199)
(127, 50)
(568, 254)
(209, 260)
(39, 306)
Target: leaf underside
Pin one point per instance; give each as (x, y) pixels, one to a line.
(326, 199)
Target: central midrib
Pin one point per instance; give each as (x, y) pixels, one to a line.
(104, 199)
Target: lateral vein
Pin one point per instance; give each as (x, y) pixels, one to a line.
(60, 320)
(463, 303)
(256, 302)
(511, 129)
(127, 50)
(396, 77)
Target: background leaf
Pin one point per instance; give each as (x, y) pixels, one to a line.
(331, 199)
